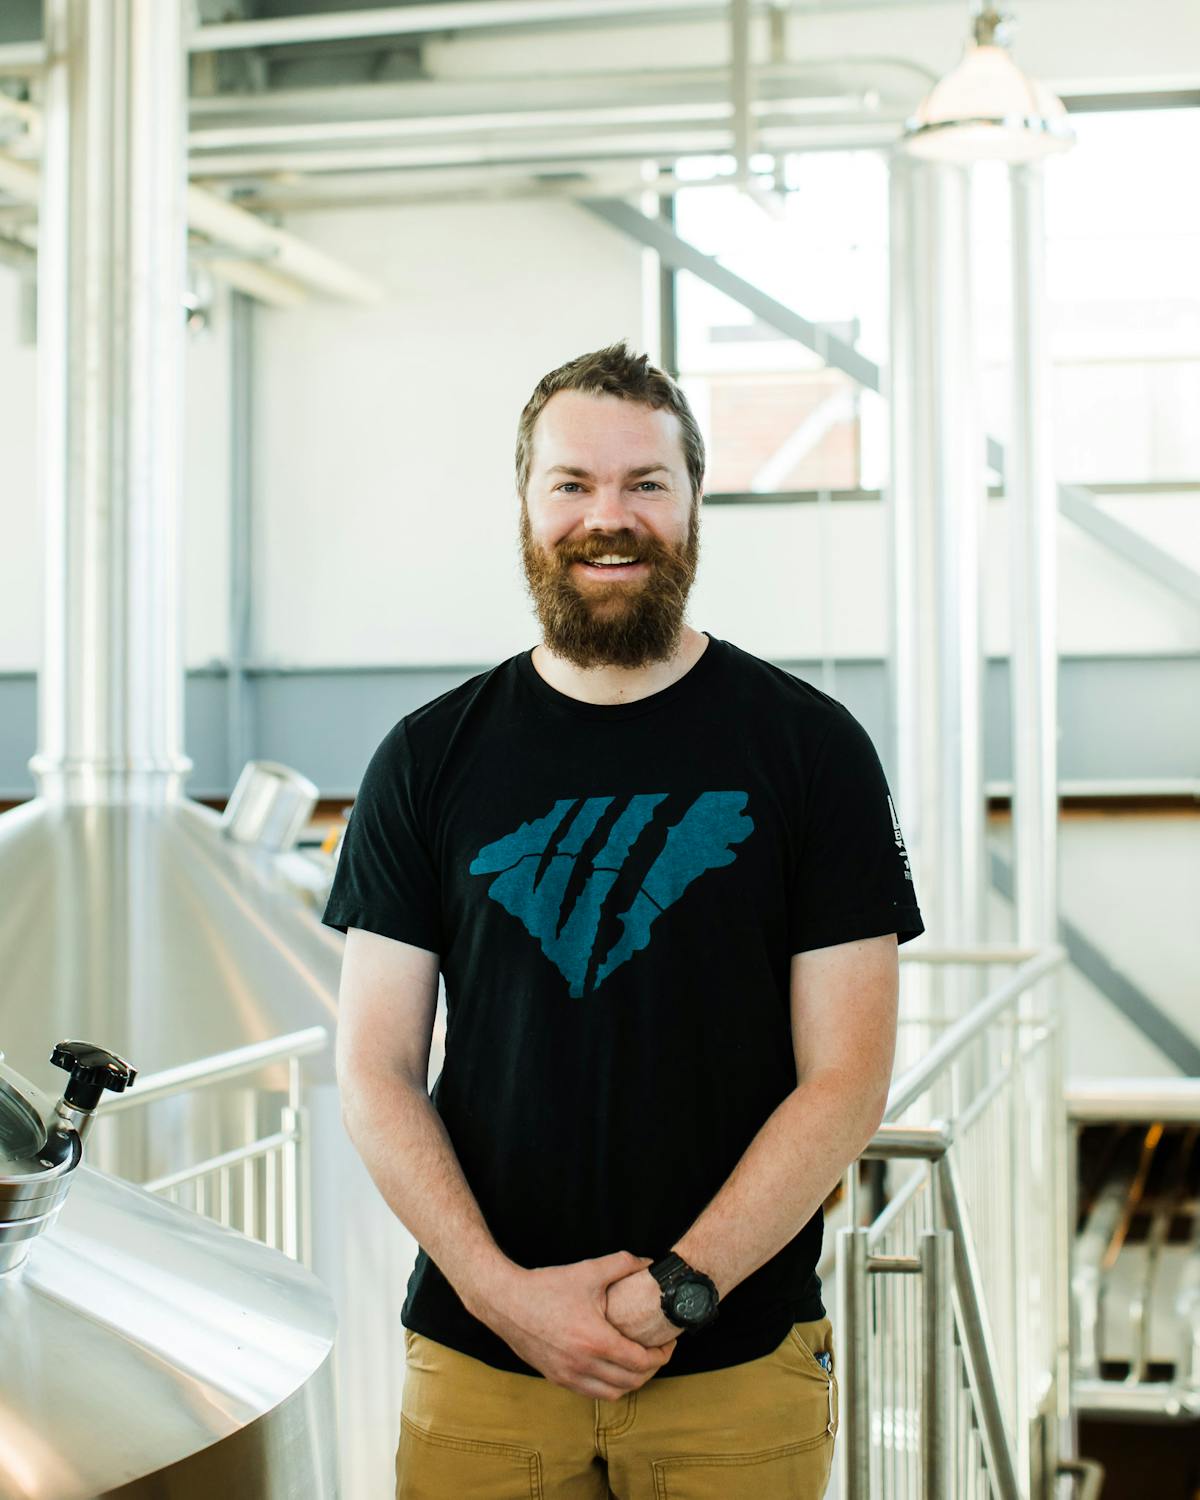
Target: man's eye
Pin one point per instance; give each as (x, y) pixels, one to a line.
(653, 483)
(568, 484)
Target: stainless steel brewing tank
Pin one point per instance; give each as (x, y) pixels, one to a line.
(147, 927)
(144, 1351)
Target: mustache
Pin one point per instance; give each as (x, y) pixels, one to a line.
(630, 551)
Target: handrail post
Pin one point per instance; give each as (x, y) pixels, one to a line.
(978, 1348)
(854, 1337)
(937, 1364)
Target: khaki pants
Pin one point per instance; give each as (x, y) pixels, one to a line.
(762, 1430)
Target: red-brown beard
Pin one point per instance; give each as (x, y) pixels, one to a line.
(620, 624)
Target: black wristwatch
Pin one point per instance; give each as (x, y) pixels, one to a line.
(689, 1298)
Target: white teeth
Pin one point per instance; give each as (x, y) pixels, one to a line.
(612, 558)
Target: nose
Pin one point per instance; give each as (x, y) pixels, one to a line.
(609, 509)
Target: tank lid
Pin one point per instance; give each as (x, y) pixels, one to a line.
(22, 1132)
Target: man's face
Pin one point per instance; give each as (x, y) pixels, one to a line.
(608, 477)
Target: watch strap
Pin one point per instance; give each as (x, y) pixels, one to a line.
(671, 1269)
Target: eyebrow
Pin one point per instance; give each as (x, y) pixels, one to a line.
(586, 474)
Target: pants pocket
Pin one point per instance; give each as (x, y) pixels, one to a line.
(432, 1466)
(806, 1341)
(799, 1471)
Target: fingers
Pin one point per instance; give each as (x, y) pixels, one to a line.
(620, 1263)
(609, 1381)
(618, 1357)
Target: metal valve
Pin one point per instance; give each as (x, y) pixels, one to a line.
(92, 1070)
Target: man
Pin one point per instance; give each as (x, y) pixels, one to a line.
(665, 886)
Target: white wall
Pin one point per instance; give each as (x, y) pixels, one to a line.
(384, 462)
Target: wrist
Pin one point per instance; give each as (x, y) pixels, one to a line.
(491, 1287)
(690, 1299)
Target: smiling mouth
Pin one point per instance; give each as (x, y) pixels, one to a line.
(610, 570)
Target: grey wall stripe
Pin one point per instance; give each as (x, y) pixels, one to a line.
(1121, 718)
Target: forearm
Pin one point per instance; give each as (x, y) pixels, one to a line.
(405, 1147)
(784, 1175)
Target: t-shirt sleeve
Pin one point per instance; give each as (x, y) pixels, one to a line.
(852, 877)
(386, 880)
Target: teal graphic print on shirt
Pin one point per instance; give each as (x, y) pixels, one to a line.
(544, 878)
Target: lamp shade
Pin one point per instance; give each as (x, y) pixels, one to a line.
(986, 109)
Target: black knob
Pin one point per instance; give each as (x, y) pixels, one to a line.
(92, 1070)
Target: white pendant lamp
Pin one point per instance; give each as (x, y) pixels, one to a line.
(986, 109)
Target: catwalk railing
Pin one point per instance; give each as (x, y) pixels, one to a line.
(953, 1281)
(242, 1114)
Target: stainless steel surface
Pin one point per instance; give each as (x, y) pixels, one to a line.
(145, 1352)
(270, 806)
(1101, 1100)
(937, 1364)
(148, 927)
(41, 1142)
(1087, 1279)
(1090, 1475)
(1136, 1278)
(935, 499)
(1187, 1311)
(144, 925)
(1152, 1401)
(977, 1341)
(853, 1452)
(929, 1141)
(124, 912)
(1033, 503)
(110, 290)
(925, 1412)
(912, 1084)
(263, 1186)
(219, 1069)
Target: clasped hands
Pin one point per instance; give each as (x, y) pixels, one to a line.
(596, 1327)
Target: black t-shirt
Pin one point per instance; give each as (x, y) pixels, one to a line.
(615, 892)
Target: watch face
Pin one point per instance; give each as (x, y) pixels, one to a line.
(692, 1301)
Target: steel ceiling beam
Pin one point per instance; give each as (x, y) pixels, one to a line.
(1074, 501)
(1079, 505)
(680, 255)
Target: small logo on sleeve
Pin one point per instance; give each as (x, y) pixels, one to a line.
(899, 837)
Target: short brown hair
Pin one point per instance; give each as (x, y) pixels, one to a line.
(613, 371)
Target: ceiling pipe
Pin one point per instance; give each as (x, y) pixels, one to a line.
(289, 256)
(547, 154)
(423, 97)
(291, 268)
(407, 20)
(553, 120)
(611, 177)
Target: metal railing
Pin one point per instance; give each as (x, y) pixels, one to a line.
(260, 1185)
(952, 1293)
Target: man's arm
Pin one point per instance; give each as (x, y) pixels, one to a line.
(843, 1012)
(553, 1317)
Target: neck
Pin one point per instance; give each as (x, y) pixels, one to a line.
(609, 684)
